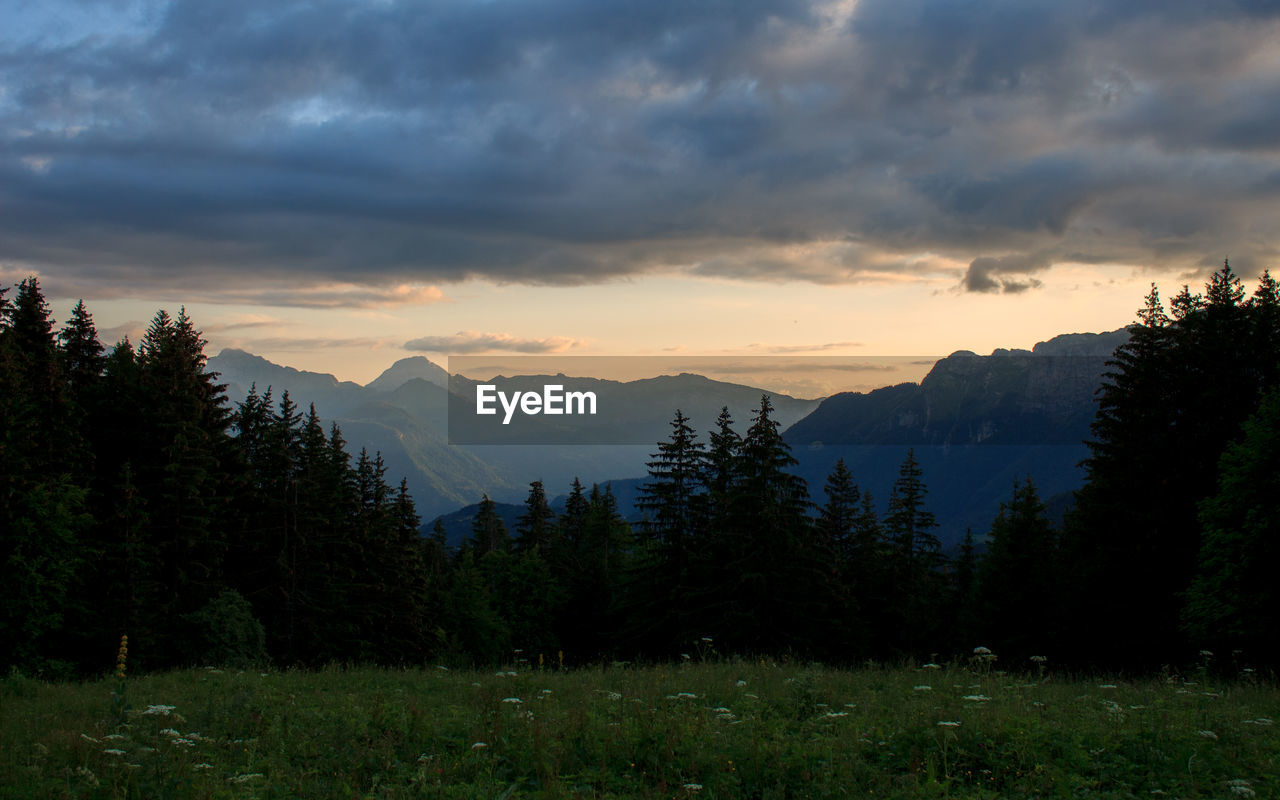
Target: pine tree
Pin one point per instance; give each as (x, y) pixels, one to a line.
(1177, 395)
(488, 533)
(1017, 591)
(1233, 602)
(782, 595)
(43, 497)
(83, 356)
(672, 502)
(913, 558)
(535, 528)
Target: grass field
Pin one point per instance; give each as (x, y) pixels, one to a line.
(710, 730)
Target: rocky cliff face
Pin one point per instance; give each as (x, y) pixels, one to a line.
(1039, 396)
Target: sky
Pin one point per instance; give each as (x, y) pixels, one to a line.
(338, 184)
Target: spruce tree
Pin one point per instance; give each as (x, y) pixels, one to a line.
(913, 560)
(1233, 602)
(1017, 593)
(535, 529)
(488, 532)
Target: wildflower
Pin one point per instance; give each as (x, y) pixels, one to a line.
(693, 787)
(1206, 654)
(122, 656)
(1039, 659)
(706, 639)
(113, 737)
(184, 742)
(442, 666)
(924, 687)
(741, 683)
(1241, 788)
(977, 698)
(1106, 686)
(982, 651)
(949, 724)
(88, 738)
(690, 695)
(204, 766)
(478, 745)
(931, 665)
(1259, 721)
(245, 778)
(514, 700)
(169, 732)
(111, 751)
(159, 710)
(836, 714)
(720, 710)
(1208, 734)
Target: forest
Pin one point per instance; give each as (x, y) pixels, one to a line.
(135, 500)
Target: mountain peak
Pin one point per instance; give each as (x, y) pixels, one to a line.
(405, 370)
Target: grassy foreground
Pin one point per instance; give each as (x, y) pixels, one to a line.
(695, 731)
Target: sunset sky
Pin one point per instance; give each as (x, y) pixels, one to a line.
(335, 185)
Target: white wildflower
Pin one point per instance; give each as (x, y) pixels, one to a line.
(931, 665)
(982, 651)
(741, 683)
(719, 710)
(693, 787)
(923, 687)
(159, 710)
(204, 766)
(836, 714)
(169, 732)
(1241, 788)
(184, 742)
(949, 724)
(113, 737)
(977, 698)
(88, 738)
(1039, 659)
(478, 745)
(1208, 734)
(246, 777)
(113, 752)
(512, 700)
(1106, 686)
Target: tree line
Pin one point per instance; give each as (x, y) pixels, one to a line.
(136, 501)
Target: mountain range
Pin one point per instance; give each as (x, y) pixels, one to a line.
(975, 423)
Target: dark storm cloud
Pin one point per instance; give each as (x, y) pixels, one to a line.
(220, 144)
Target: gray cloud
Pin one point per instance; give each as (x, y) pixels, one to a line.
(227, 146)
(986, 274)
(465, 342)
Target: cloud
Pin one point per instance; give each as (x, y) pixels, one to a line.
(471, 342)
(289, 150)
(805, 348)
(303, 344)
(985, 274)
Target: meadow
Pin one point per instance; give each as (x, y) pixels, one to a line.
(712, 729)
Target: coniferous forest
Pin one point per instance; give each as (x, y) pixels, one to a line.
(135, 500)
